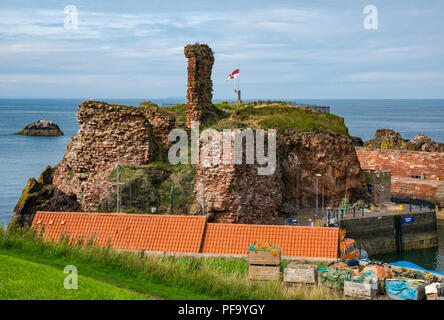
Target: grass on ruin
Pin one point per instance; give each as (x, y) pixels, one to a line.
(282, 116)
(267, 115)
(169, 278)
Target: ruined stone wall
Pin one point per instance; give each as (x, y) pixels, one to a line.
(107, 134)
(236, 193)
(200, 87)
(161, 122)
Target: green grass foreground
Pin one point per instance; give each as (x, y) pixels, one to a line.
(42, 263)
(25, 280)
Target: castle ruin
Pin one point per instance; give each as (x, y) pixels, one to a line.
(200, 87)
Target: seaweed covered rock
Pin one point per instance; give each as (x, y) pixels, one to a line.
(389, 139)
(386, 139)
(41, 194)
(42, 128)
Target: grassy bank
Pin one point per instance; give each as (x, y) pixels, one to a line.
(25, 280)
(169, 278)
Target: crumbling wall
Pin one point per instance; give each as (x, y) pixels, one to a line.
(107, 134)
(200, 87)
(162, 122)
(237, 194)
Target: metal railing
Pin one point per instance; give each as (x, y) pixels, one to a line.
(325, 109)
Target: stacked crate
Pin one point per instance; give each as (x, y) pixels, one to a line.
(264, 264)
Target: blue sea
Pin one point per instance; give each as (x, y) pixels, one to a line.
(22, 157)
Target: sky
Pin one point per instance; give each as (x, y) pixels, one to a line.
(285, 49)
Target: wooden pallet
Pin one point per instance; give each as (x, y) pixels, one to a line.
(301, 274)
(260, 272)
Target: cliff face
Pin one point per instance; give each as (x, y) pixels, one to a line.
(41, 194)
(332, 155)
(107, 134)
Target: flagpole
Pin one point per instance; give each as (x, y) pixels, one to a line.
(238, 76)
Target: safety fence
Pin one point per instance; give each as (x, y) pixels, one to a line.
(421, 203)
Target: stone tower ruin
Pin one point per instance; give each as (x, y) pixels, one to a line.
(200, 87)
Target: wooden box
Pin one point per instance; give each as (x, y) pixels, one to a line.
(301, 273)
(264, 257)
(432, 296)
(420, 289)
(272, 273)
(361, 290)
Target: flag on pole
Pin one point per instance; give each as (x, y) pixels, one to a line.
(233, 75)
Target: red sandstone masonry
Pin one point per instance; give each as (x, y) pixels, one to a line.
(414, 189)
(200, 87)
(402, 163)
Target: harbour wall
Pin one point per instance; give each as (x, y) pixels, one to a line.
(393, 233)
(403, 164)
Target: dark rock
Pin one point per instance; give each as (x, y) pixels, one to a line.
(423, 143)
(42, 195)
(42, 128)
(357, 142)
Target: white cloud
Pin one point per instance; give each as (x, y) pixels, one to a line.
(375, 77)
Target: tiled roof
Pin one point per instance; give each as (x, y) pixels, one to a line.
(294, 241)
(181, 233)
(171, 233)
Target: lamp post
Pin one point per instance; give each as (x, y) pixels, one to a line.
(317, 206)
(322, 210)
(118, 205)
(203, 186)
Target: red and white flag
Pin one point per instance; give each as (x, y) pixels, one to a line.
(233, 75)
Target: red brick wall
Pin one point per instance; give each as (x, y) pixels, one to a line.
(414, 190)
(403, 163)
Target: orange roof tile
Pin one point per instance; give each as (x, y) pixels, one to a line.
(170, 233)
(181, 233)
(317, 242)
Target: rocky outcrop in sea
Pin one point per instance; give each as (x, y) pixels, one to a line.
(41, 128)
(389, 139)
